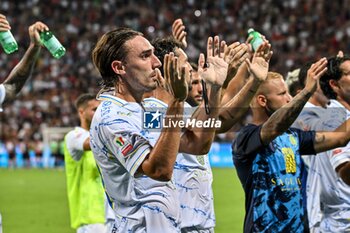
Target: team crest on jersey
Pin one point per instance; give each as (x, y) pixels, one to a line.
(200, 159)
(124, 146)
(292, 140)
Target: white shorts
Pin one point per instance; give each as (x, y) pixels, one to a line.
(92, 228)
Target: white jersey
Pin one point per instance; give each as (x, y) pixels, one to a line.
(310, 119)
(2, 95)
(75, 142)
(193, 179)
(323, 184)
(334, 192)
(120, 145)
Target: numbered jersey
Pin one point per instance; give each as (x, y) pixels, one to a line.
(271, 177)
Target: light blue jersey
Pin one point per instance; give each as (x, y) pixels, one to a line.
(120, 145)
(271, 178)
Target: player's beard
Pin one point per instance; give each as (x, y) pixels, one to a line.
(268, 109)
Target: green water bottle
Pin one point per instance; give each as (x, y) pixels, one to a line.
(257, 38)
(52, 44)
(8, 42)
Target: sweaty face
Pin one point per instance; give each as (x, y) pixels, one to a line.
(343, 91)
(140, 65)
(89, 111)
(277, 95)
(195, 96)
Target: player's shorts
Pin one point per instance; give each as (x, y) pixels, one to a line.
(92, 228)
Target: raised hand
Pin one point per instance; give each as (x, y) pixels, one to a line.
(179, 33)
(259, 66)
(4, 24)
(175, 79)
(314, 73)
(216, 70)
(235, 54)
(34, 31)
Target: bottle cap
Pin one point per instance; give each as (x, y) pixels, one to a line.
(250, 30)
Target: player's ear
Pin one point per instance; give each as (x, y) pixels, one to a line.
(261, 100)
(334, 85)
(117, 67)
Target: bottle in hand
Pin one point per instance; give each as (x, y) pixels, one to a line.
(257, 38)
(52, 44)
(8, 42)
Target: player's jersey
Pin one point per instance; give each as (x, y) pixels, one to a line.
(86, 196)
(334, 192)
(120, 144)
(310, 119)
(271, 178)
(2, 95)
(193, 179)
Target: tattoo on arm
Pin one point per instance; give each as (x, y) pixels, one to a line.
(320, 138)
(22, 71)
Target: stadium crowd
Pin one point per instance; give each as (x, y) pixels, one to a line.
(298, 30)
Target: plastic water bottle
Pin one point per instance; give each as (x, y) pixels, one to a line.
(52, 44)
(8, 42)
(257, 38)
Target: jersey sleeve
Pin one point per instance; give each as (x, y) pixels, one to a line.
(306, 141)
(75, 143)
(126, 144)
(339, 156)
(247, 143)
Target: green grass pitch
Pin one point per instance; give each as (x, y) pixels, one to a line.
(34, 201)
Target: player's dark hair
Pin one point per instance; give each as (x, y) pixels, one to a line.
(111, 47)
(83, 99)
(163, 46)
(333, 72)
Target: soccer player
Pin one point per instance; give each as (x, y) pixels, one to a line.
(192, 174)
(23, 70)
(267, 152)
(136, 167)
(88, 207)
(334, 165)
(310, 118)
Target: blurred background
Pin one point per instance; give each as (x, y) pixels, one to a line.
(32, 126)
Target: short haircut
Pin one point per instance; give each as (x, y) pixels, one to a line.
(273, 75)
(270, 76)
(83, 100)
(111, 47)
(163, 46)
(333, 72)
